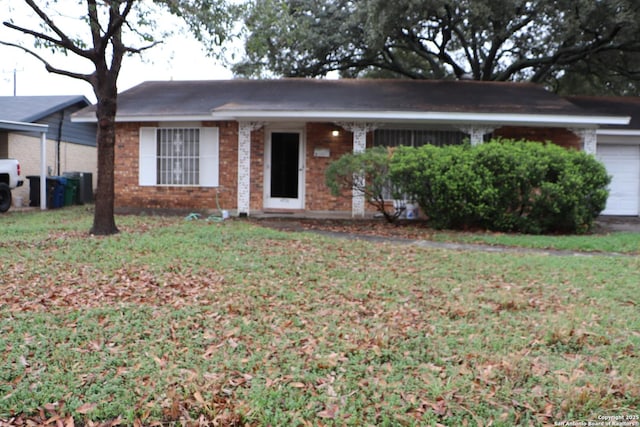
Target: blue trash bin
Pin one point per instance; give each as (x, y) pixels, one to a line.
(57, 195)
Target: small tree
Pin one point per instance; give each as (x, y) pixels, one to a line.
(366, 173)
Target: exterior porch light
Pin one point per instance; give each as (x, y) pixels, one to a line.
(335, 133)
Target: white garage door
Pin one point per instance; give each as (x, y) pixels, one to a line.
(623, 164)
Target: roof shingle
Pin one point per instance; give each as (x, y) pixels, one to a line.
(29, 109)
(611, 105)
(189, 98)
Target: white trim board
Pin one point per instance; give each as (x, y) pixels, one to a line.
(442, 117)
(432, 116)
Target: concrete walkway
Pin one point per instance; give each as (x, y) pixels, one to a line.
(608, 224)
(463, 246)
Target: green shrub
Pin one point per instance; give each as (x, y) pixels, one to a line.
(503, 185)
(444, 183)
(573, 194)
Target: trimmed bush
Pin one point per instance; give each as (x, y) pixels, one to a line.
(443, 182)
(503, 185)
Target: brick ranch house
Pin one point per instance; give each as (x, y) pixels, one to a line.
(264, 145)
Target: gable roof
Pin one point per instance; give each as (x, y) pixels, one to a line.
(424, 101)
(30, 109)
(615, 105)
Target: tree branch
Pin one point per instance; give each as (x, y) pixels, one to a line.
(415, 45)
(95, 27)
(143, 48)
(64, 42)
(446, 32)
(494, 55)
(116, 20)
(50, 68)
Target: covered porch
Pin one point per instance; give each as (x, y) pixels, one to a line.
(316, 144)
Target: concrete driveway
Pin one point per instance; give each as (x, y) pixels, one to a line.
(618, 223)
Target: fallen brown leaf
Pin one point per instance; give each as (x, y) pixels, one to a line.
(330, 412)
(86, 408)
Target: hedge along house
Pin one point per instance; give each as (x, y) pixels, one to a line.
(264, 145)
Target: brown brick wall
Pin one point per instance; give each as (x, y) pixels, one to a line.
(228, 164)
(257, 169)
(130, 195)
(318, 196)
(559, 136)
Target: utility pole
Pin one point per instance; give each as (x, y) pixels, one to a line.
(15, 78)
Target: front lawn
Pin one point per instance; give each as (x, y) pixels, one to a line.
(236, 324)
(600, 240)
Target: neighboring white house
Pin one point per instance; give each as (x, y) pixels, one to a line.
(70, 147)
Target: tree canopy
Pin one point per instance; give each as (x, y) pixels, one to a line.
(103, 33)
(566, 44)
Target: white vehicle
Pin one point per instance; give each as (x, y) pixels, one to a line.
(9, 179)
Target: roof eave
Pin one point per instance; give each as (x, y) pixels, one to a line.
(148, 118)
(618, 132)
(512, 119)
(456, 118)
(22, 126)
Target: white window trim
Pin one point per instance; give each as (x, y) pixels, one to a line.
(209, 157)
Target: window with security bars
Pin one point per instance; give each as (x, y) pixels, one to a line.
(417, 137)
(414, 138)
(178, 156)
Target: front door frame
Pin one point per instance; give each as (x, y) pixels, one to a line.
(279, 202)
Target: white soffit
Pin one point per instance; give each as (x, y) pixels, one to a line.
(146, 119)
(385, 116)
(413, 116)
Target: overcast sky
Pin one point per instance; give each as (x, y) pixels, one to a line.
(178, 58)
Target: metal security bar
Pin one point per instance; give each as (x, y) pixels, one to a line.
(178, 153)
(416, 137)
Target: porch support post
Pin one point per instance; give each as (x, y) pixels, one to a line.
(476, 133)
(588, 138)
(43, 170)
(359, 145)
(244, 165)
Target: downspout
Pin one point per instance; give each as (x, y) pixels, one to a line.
(58, 142)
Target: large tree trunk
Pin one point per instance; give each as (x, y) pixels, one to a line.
(103, 219)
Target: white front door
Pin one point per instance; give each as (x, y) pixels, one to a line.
(284, 169)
